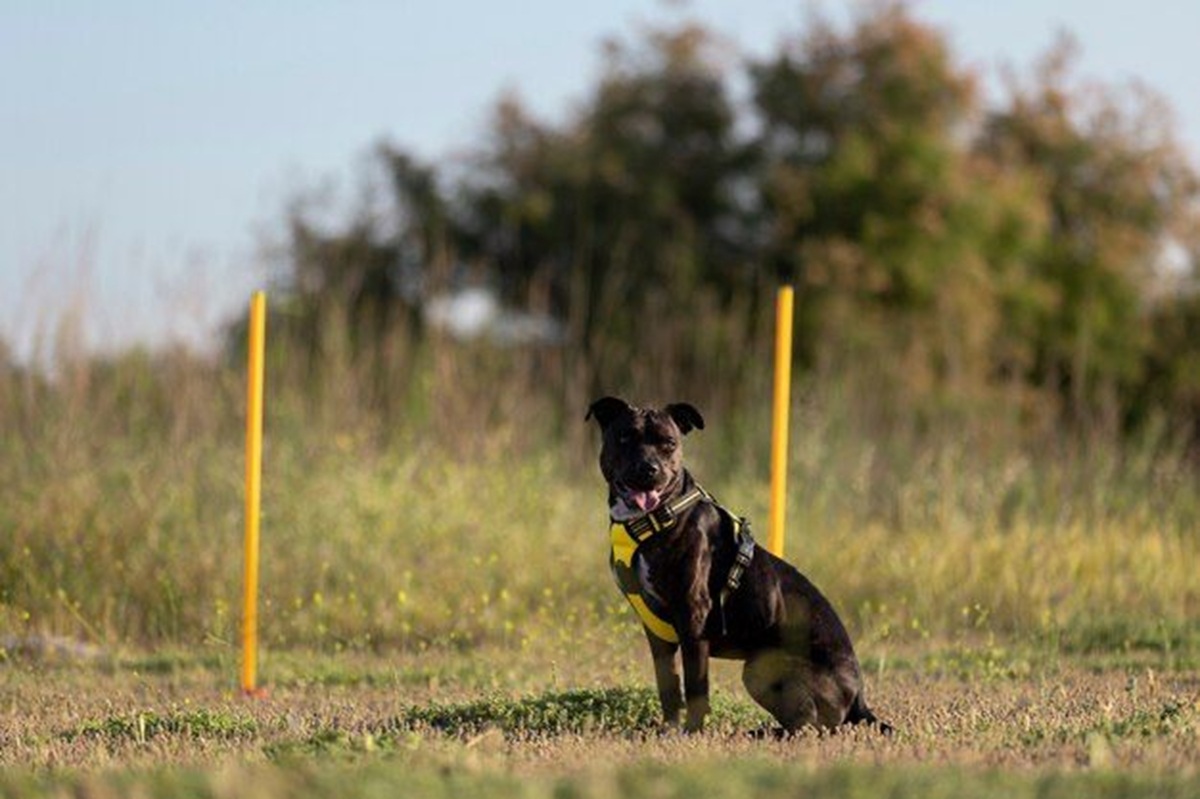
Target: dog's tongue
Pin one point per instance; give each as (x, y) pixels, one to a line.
(645, 500)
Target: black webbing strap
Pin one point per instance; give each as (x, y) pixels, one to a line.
(745, 554)
(664, 518)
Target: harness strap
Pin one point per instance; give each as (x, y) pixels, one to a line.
(664, 518)
(745, 554)
(644, 527)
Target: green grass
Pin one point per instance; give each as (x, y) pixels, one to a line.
(606, 711)
(454, 516)
(146, 726)
(621, 712)
(404, 549)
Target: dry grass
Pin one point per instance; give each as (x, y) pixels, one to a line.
(348, 714)
(408, 546)
(403, 513)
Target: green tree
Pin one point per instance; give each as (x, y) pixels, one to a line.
(368, 276)
(1115, 188)
(1170, 388)
(941, 250)
(628, 217)
(900, 239)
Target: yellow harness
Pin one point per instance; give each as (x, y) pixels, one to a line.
(624, 564)
(624, 560)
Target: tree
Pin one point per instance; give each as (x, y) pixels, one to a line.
(896, 234)
(627, 214)
(941, 250)
(1115, 188)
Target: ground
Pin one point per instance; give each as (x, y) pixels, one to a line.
(516, 721)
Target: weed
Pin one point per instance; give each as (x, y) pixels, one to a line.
(141, 727)
(1173, 717)
(619, 711)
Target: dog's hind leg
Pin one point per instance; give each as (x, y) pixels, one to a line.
(861, 714)
(771, 679)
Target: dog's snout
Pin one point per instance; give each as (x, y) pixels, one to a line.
(648, 470)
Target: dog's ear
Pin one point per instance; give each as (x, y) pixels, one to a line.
(686, 417)
(605, 409)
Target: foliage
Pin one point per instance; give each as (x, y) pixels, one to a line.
(1114, 185)
(899, 238)
(945, 252)
(612, 711)
(143, 727)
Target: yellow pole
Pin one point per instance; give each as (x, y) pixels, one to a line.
(779, 419)
(254, 429)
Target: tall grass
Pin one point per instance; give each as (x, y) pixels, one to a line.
(430, 494)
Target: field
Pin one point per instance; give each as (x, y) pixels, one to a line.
(579, 720)
(437, 616)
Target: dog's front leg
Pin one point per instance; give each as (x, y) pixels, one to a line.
(666, 675)
(695, 682)
(693, 642)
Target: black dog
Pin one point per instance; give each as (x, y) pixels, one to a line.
(691, 571)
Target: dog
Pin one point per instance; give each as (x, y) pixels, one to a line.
(690, 569)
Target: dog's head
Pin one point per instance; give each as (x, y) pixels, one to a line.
(641, 456)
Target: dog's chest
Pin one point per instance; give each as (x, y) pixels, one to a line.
(646, 580)
(635, 577)
(632, 570)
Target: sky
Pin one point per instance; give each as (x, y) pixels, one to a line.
(149, 150)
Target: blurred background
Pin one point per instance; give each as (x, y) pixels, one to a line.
(472, 220)
(972, 205)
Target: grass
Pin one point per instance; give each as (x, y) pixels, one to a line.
(415, 722)
(143, 727)
(405, 546)
(437, 616)
(457, 514)
(716, 779)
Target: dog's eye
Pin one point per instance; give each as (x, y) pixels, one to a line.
(661, 442)
(624, 437)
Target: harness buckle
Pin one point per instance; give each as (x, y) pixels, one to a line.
(664, 518)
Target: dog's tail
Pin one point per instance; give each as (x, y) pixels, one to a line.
(859, 713)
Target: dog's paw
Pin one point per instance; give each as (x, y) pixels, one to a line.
(770, 732)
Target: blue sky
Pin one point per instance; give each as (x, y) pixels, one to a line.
(149, 148)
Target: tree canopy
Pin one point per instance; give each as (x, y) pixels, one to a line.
(946, 247)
